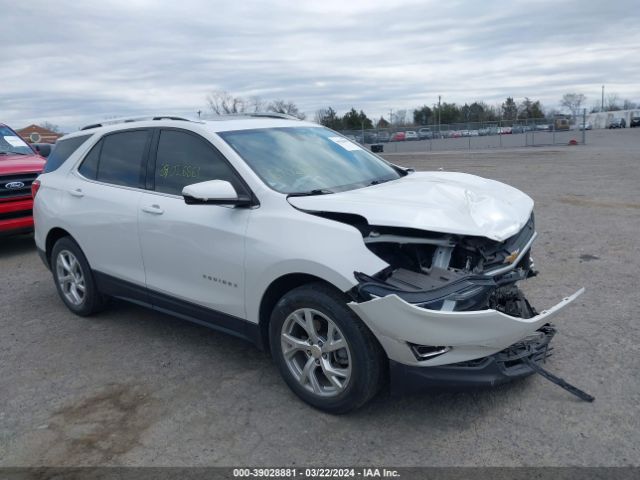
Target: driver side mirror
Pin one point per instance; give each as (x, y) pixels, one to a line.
(214, 192)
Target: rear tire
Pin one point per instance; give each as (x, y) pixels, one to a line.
(324, 352)
(74, 279)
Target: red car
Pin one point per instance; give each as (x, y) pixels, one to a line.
(19, 167)
(398, 137)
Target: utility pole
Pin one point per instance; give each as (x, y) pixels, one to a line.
(390, 116)
(602, 104)
(439, 117)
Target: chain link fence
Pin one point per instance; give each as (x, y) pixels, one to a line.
(474, 135)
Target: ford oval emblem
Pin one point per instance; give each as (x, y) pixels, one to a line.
(13, 185)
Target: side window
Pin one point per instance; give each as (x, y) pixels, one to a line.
(89, 166)
(184, 159)
(63, 150)
(122, 157)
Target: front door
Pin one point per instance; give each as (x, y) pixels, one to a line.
(193, 254)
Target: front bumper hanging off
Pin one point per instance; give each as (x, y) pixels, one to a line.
(464, 335)
(473, 348)
(502, 367)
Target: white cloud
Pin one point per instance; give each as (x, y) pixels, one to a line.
(77, 62)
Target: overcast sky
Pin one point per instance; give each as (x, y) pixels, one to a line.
(71, 62)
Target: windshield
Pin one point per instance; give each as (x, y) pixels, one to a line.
(11, 144)
(308, 159)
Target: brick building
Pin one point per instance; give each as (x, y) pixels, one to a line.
(37, 134)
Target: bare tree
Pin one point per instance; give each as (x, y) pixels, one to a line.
(287, 107)
(256, 104)
(400, 117)
(628, 104)
(573, 102)
(51, 126)
(222, 102)
(613, 102)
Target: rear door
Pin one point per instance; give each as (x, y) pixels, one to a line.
(193, 254)
(103, 199)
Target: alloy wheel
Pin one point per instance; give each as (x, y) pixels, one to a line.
(316, 352)
(70, 277)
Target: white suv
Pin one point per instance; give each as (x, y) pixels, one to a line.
(347, 268)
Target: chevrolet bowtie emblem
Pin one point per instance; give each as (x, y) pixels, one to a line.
(512, 256)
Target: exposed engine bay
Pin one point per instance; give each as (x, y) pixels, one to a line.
(447, 272)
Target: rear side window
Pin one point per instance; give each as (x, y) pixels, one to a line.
(119, 159)
(184, 158)
(63, 150)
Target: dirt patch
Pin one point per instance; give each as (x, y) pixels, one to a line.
(98, 428)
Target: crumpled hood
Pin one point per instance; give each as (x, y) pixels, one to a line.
(446, 202)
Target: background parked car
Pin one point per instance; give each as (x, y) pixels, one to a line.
(44, 149)
(398, 137)
(19, 167)
(425, 133)
(561, 124)
(410, 135)
(635, 122)
(383, 137)
(618, 123)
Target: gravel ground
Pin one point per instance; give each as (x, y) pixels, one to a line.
(134, 387)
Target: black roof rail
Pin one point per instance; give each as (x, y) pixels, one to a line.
(135, 119)
(224, 116)
(170, 117)
(93, 125)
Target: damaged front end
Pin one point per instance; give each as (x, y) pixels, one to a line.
(453, 303)
(445, 272)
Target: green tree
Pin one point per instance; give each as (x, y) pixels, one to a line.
(509, 109)
(329, 118)
(449, 113)
(530, 109)
(422, 115)
(354, 120)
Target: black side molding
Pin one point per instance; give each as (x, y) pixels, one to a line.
(191, 312)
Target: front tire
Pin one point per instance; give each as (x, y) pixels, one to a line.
(74, 279)
(324, 352)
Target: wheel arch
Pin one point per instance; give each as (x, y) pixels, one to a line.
(275, 291)
(53, 236)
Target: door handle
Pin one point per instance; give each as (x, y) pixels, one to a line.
(76, 193)
(153, 209)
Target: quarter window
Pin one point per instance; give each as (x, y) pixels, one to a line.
(184, 158)
(89, 167)
(63, 150)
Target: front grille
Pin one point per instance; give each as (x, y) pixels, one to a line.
(6, 181)
(14, 215)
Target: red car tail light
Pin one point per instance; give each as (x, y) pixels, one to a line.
(35, 186)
